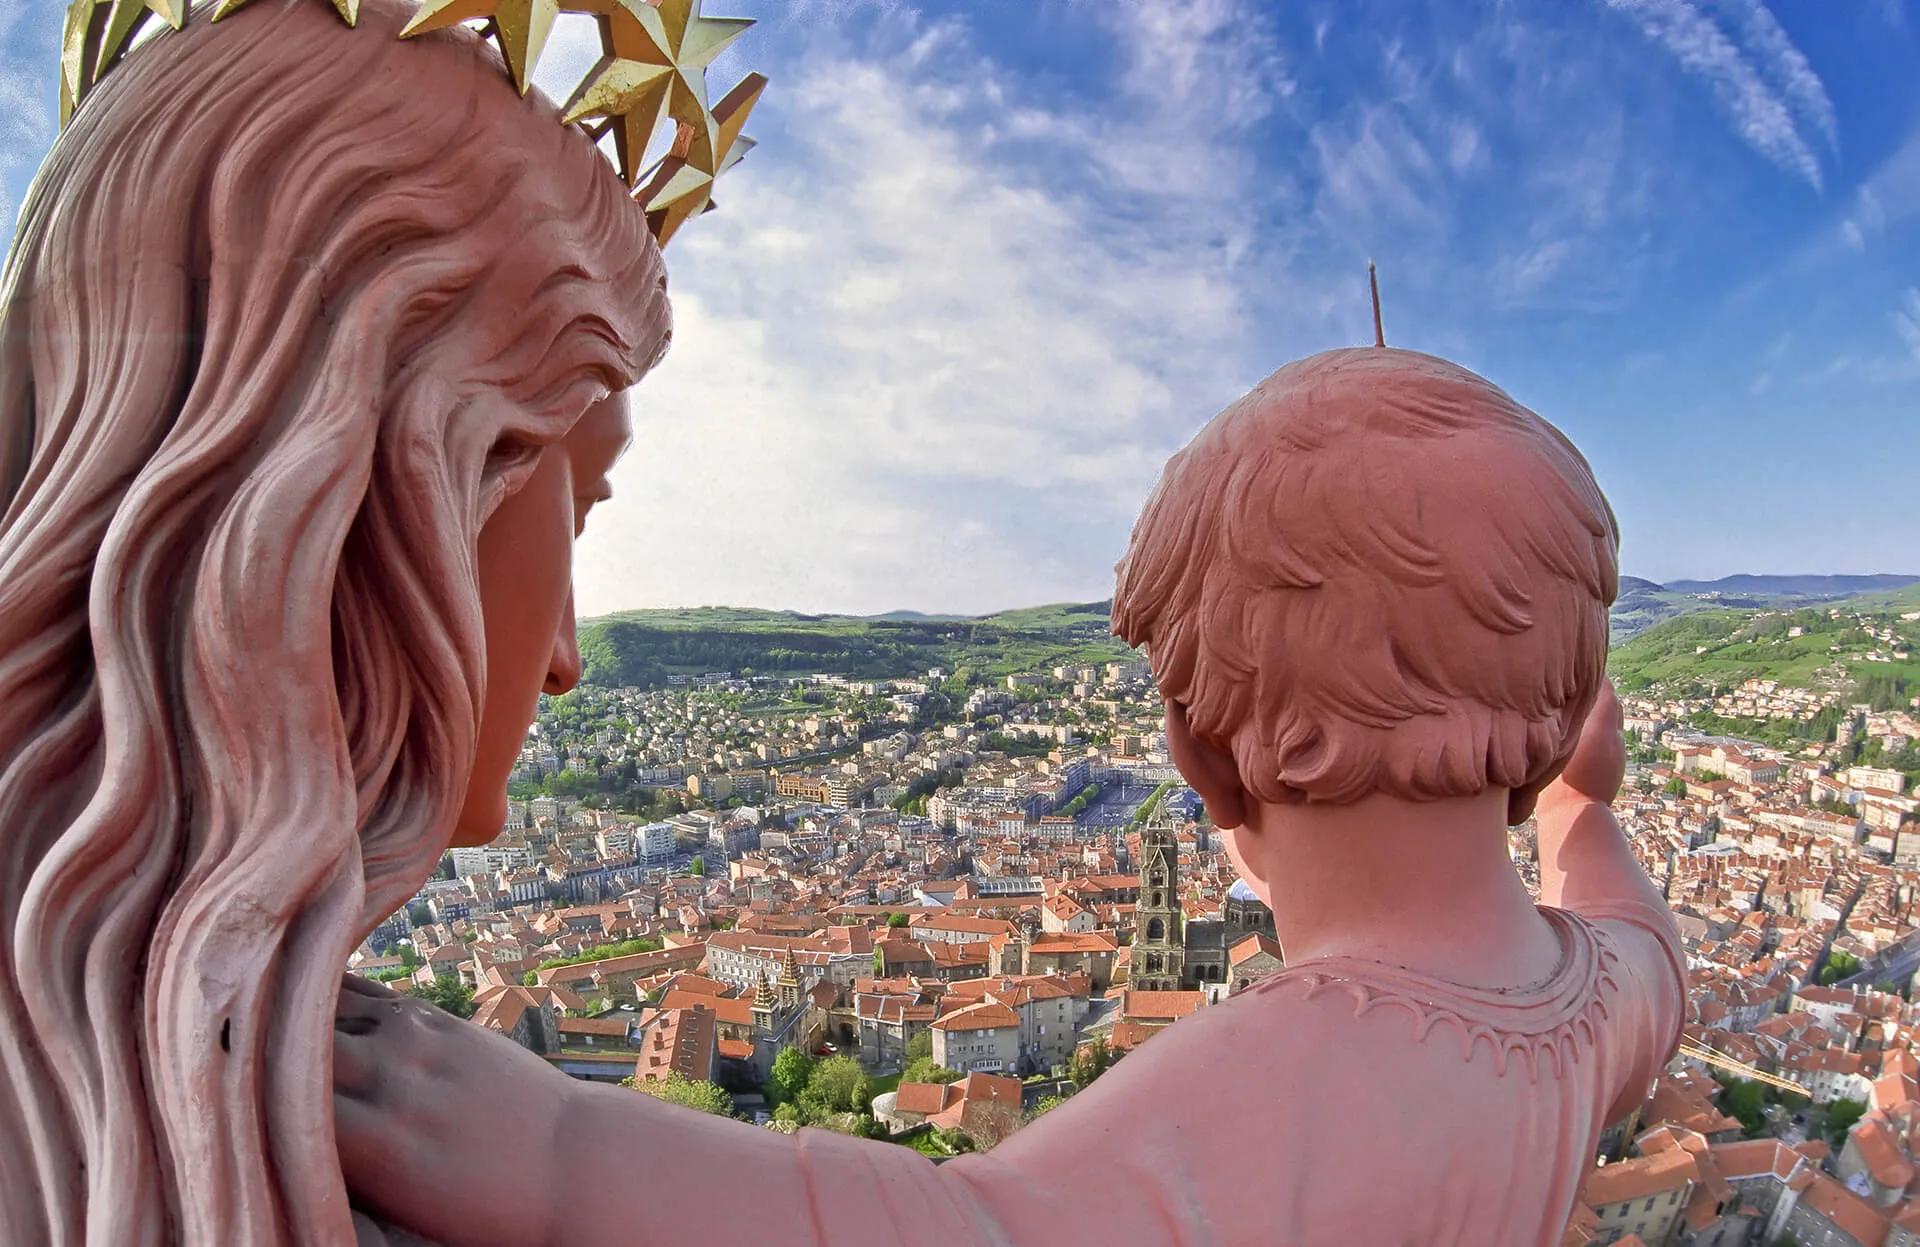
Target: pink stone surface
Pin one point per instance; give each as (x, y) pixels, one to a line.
(292, 309)
(300, 331)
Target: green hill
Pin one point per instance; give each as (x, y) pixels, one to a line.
(1723, 646)
(645, 648)
(1660, 637)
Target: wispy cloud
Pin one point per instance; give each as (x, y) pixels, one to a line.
(928, 353)
(26, 125)
(1761, 87)
(1784, 65)
(1906, 321)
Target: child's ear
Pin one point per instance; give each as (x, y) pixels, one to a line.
(1211, 770)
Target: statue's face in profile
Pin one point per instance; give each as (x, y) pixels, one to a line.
(526, 597)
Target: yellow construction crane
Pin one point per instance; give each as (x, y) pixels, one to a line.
(1732, 1066)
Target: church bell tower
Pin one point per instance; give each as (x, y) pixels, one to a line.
(1158, 947)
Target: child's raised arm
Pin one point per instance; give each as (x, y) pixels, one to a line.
(1585, 863)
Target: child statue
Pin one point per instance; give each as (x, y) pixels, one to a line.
(1374, 594)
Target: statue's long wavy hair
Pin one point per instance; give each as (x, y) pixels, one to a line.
(257, 397)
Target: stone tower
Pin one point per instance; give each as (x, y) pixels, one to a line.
(789, 981)
(1158, 949)
(763, 1006)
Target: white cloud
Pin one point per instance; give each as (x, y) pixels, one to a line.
(1906, 321)
(1763, 120)
(26, 123)
(927, 355)
(1784, 65)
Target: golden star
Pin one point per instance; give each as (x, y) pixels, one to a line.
(633, 92)
(677, 193)
(681, 190)
(348, 9)
(91, 42)
(520, 27)
(729, 118)
(673, 38)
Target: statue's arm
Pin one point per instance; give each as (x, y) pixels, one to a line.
(635, 1169)
(1587, 866)
(1585, 862)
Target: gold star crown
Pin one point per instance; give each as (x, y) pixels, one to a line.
(653, 71)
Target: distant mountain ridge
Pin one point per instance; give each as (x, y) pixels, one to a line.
(651, 648)
(1793, 586)
(1643, 604)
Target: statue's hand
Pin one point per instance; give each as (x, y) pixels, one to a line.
(1599, 761)
(444, 1128)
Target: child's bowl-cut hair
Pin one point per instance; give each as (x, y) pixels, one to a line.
(1376, 573)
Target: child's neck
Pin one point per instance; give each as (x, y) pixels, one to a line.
(1424, 885)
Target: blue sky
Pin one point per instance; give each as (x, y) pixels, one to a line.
(993, 261)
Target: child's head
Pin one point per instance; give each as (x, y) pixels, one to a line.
(1376, 573)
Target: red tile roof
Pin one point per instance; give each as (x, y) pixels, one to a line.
(1639, 1177)
(987, 1015)
(925, 1098)
(1141, 1006)
(679, 1040)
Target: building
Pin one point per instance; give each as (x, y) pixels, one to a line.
(984, 1036)
(654, 842)
(1253, 958)
(1207, 942)
(888, 1022)
(614, 978)
(530, 1016)
(1047, 1008)
(678, 1041)
(1171, 953)
(984, 1105)
(957, 928)
(1159, 952)
(786, 1014)
(1647, 1196)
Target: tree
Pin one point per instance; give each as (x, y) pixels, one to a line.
(448, 993)
(1746, 1100)
(677, 1088)
(924, 1070)
(1046, 1104)
(920, 1046)
(1841, 1114)
(955, 1141)
(698, 866)
(899, 920)
(1841, 964)
(838, 1085)
(530, 979)
(991, 1124)
(1088, 1062)
(1676, 787)
(792, 1070)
